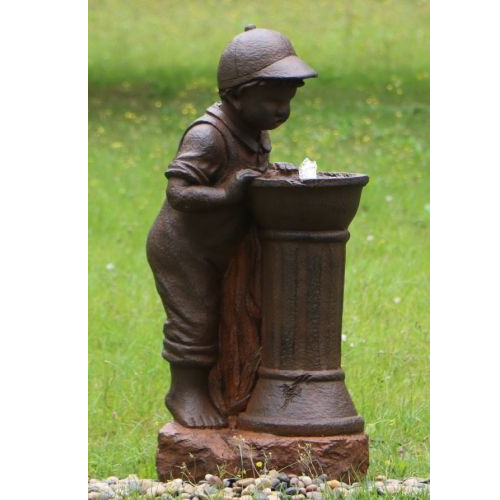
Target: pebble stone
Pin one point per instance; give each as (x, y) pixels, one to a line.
(274, 483)
(271, 485)
(333, 484)
(249, 489)
(315, 495)
(245, 482)
(262, 483)
(306, 480)
(284, 478)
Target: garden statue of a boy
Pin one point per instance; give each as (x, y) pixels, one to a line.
(201, 249)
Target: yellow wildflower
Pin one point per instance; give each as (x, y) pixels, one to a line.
(188, 109)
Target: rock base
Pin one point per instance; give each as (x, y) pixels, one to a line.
(192, 453)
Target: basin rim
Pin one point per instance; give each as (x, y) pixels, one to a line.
(325, 179)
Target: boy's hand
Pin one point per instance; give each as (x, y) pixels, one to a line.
(246, 175)
(285, 167)
(238, 182)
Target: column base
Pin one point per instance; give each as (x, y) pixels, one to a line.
(301, 403)
(192, 453)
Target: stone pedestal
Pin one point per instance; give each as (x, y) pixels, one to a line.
(192, 453)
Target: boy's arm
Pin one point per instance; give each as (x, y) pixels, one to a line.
(200, 157)
(188, 198)
(200, 161)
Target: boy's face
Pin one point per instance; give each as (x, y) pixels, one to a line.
(267, 105)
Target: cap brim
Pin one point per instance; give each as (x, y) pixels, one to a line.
(289, 67)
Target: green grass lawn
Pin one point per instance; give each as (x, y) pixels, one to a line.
(151, 71)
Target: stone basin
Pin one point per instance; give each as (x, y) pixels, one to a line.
(327, 203)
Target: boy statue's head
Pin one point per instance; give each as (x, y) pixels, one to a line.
(258, 75)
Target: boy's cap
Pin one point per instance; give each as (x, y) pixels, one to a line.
(260, 53)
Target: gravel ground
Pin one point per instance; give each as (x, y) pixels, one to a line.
(272, 485)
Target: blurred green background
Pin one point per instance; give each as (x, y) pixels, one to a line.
(152, 67)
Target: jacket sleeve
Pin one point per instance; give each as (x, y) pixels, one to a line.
(201, 156)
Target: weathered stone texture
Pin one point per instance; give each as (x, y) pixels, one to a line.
(196, 452)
